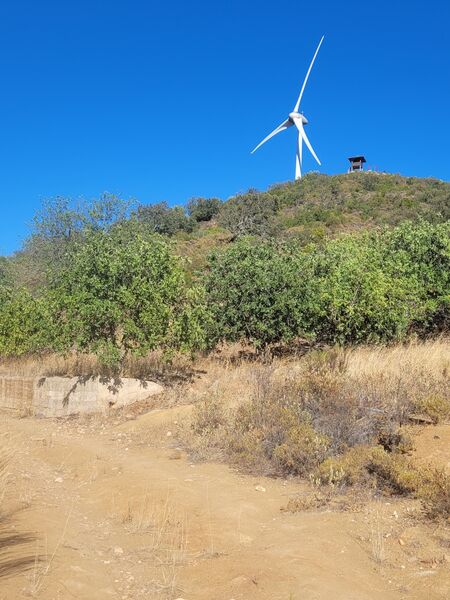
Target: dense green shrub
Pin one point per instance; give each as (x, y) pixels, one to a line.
(25, 323)
(362, 287)
(420, 252)
(256, 292)
(249, 214)
(355, 297)
(203, 209)
(161, 218)
(371, 287)
(115, 296)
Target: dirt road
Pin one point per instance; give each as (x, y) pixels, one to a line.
(117, 512)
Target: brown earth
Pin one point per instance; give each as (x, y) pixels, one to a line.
(114, 510)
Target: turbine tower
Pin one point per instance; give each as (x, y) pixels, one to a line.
(299, 120)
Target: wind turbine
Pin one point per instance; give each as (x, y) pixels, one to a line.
(299, 120)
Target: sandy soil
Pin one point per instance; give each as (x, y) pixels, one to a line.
(114, 510)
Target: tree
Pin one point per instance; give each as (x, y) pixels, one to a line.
(160, 218)
(256, 293)
(249, 214)
(203, 209)
(422, 253)
(354, 296)
(58, 225)
(116, 296)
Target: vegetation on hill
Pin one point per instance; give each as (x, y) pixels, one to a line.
(345, 259)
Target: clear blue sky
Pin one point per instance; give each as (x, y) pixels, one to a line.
(164, 100)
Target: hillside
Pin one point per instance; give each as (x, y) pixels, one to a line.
(116, 278)
(318, 206)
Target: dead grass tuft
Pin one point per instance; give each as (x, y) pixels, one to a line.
(14, 545)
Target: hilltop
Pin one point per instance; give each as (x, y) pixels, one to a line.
(314, 208)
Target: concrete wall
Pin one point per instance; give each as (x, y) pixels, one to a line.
(62, 396)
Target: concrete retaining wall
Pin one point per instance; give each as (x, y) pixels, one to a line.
(62, 396)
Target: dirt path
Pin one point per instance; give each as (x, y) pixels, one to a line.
(119, 514)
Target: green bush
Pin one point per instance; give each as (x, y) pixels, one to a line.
(355, 296)
(370, 287)
(203, 209)
(249, 214)
(420, 253)
(256, 293)
(161, 218)
(118, 296)
(25, 323)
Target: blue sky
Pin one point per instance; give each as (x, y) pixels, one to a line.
(164, 100)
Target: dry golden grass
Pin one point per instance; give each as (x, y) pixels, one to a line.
(150, 367)
(412, 359)
(347, 410)
(15, 555)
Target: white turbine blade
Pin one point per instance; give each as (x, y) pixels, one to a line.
(307, 75)
(301, 130)
(281, 127)
(298, 157)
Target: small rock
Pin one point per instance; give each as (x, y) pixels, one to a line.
(118, 550)
(58, 479)
(401, 542)
(260, 488)
(419, 418)
(169, 433)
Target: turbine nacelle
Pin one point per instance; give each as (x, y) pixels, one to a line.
(296, 115)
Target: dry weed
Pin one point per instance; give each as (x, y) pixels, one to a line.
(377, 538)
(14, 545)
(338, 416)
(150, 367)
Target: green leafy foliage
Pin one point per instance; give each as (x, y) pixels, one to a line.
(371, 287)
(203, 209)
(115, 296)
(287, 263)
(256, 292)
(56, 227)
(161, 218)
(354, 295)
(249, 214)
(25, 323)
(422, 255)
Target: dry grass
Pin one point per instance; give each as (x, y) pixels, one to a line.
(377, 538)
(164, 530)
(14, 545)
(430, 359)
(151, 367)
(338, 416)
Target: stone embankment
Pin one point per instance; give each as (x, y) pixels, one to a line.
(63, 396)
